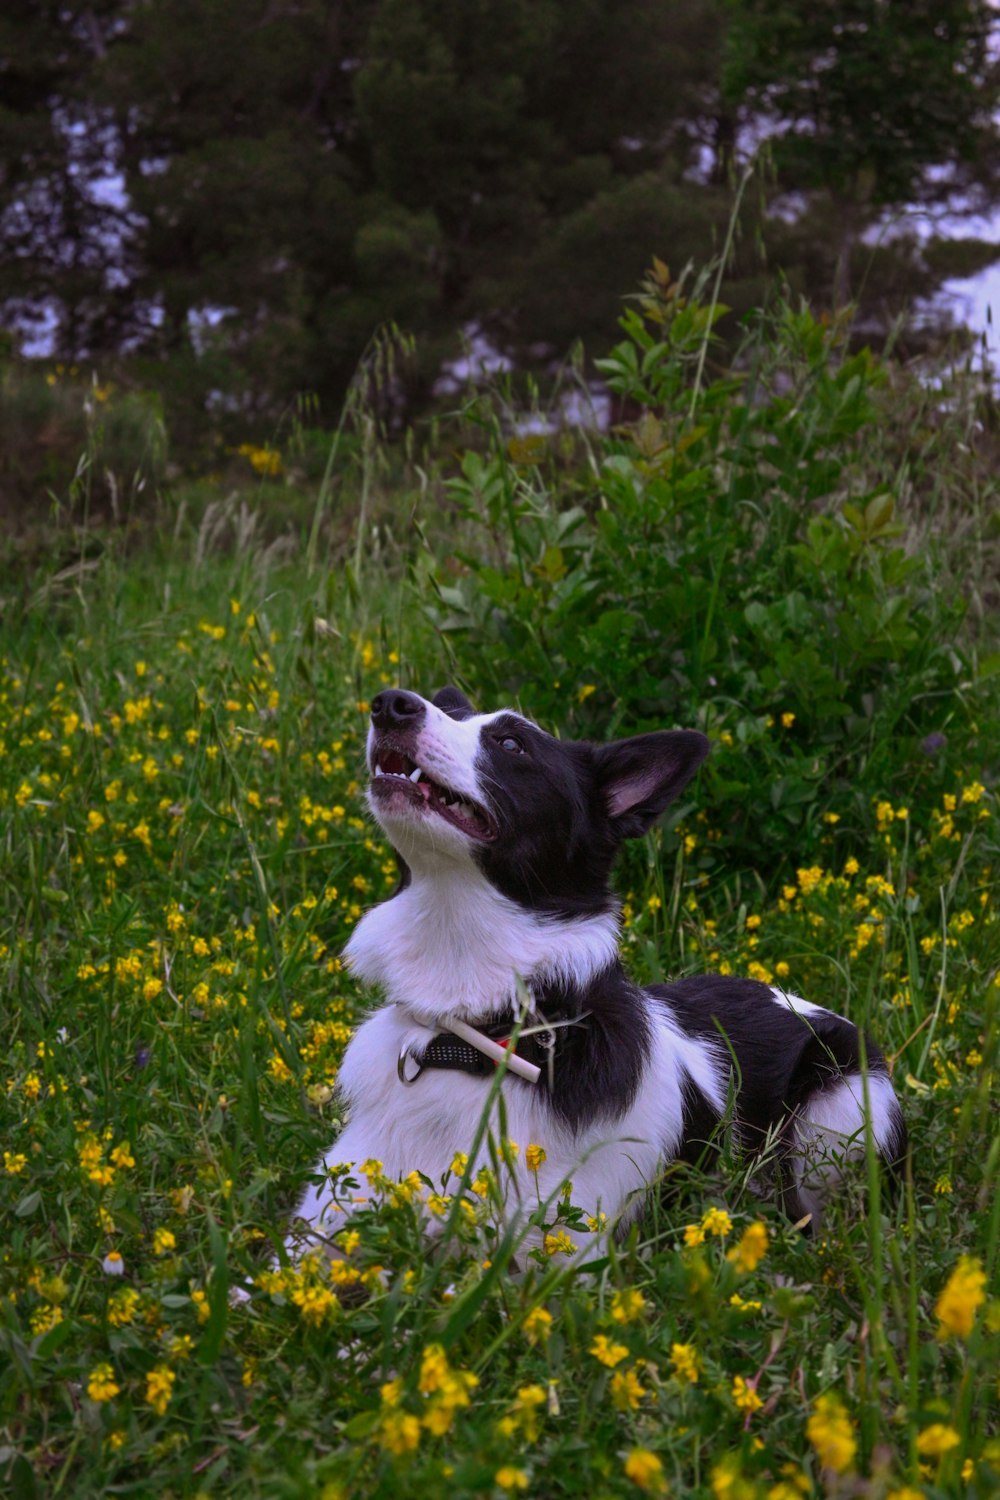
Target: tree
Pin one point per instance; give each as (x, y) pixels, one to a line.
(239, 147)
(61, 240)
(874, 105)
(515, 125)
(241, 191)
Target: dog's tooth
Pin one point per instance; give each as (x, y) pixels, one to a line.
(416, 774)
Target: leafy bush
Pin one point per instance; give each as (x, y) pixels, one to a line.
(737, 558)
(77, 441)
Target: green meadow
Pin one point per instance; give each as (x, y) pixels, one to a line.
(794, 549)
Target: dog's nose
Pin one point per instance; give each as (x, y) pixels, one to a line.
(397, 709)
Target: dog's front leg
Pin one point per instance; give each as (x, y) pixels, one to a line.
(324, 1208)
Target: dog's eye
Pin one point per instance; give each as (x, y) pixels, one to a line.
(511, 745)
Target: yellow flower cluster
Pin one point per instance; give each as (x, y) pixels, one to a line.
(266, 460)
(645, 1470)
(685, 1362)
(90, 1154)
(714, 1221)
(745, 1397)
(961, 1298)
(830, 1432)
(608, 1353)
(101, 1384)
(748, 1252)
(444, 1390)
(525, 1414)
(160, 1388)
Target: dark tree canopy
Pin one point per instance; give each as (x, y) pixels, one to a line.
(874, 104)
(241, 191)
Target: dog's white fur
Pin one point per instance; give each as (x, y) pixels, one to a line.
(452, 945)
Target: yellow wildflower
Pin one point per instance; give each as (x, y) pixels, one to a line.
(727, 1481)
(122, 1306)
(645, 1471)
(716, 1221)
(745, 1396)
(829, 1431)
(963, 1295)
(537, 1325)
(160, 1388)
(400, 1432)
(450, 1389)
(509, 1478)
(626, 1390)
(534, 1158)
(608, 1353)
(315, 1303)
(558, 1244)
(627, 1304)
(937, 1440)
(101, 1385)
(685, 1362)
(751, 1248)
(527, 1410)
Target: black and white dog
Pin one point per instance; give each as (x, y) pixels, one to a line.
(506, 839)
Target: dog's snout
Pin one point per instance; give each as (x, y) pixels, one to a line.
(397, 709)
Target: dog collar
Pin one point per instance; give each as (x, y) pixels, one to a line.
(477, 1050)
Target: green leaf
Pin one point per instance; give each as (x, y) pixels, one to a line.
(361, 1426)
(55, 1338)
(22, 1480)
(878, 513)
(210, 1342)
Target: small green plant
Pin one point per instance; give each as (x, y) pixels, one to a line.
(71, 440)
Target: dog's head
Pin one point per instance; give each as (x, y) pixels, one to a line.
(541, 818)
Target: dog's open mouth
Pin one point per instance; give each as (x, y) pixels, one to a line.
(396, 774)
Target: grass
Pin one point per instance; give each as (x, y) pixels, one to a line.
(185, 852)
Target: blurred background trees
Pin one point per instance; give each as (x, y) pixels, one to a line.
(232, 194)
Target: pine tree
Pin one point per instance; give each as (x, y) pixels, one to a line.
(872, 107)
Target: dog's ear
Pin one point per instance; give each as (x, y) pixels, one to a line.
(453, 703)
(640, 776)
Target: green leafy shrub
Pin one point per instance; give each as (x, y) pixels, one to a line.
(70, 438)
(735, 558)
